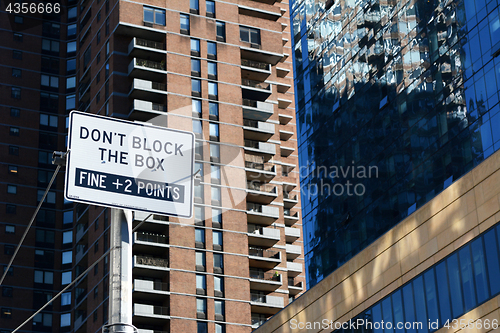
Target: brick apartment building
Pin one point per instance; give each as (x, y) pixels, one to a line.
(222, 70)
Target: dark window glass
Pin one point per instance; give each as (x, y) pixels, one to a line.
(377, 318)
(250, 35)
(14, 112)
(444, 295)
(16, 72)
(184, 23)
(387, 313)
(18, 37)
(491, 246)
(17, 54)
(221, 31)
(11, 209)
(15, 93)
(195, 67)
(479, 270)
(467, 281)
(456, 294)
(431, 295)
(420, 309)
(14, 150)
(397, 305)
(194, 6)
(212, 50)
(409, 306)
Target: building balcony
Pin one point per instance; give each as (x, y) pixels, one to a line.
(257, 130)
(285, 135)
(145, 110)
(261, 214)
(265, 281)
(150, 242)
(268, 14)
(148, 90)
(144, 48)
(294, 268)
(289, 200)
(293, 251)
(294, 286)
(260, 171)
(255, 70)
(283, 87)
(263, 258)
(290, 216)
(255, 90)
(140, 216)
(147, 69)
(79, 321)
(292, 234)
(141, 31)
(256, 110)
(257, 320)
(150, 314)
(260, 236)
(81, 251)
(255, 52)
(261, 192)
(265, 303)
(286, 151)
(142, 330)
(284, 118)
(282, 71)
(150, 266)
(283, 103)
(150, 290)
(260, 147)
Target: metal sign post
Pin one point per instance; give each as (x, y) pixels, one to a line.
(131, 166)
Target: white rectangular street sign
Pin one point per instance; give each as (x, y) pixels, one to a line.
(121, 164)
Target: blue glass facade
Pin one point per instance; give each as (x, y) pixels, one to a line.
(395, 100)
(459, 283)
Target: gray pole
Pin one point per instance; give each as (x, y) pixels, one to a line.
(120, 274)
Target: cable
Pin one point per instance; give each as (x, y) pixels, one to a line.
(30, 224)
(75, 280)
(65, 288)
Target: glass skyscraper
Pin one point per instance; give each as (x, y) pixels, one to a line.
(395, 101)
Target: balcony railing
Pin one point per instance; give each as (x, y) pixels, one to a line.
(150, 43)
(146, 309)
(254, 64)
(263, 253)
(269, 276)
(150, 64)
(255, 84)
(261, 187)
(150, 285)
(259, 166)
(266, 299)
(292, 282)
(151, 261)
(288, 212)
(257, 321)
(152, 238)
(289, 196)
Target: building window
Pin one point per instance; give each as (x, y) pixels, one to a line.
(49, 81)
(201, 284)
(98, 37)
(216, 218)
(71, 47)
(50, 198)
(10, 229)
(194, 6)
(210, 8)
(14, 131)
(154, 15)
(44, 277)
(199, 238)
(211, 50)
(14, 150)
(195, 67)
(216, 195)
(66, 278)
(197, 128)
(212, 90)
(66, 299)
(218, 263)
(71, 31)
(67, 257)
(98, 16)
(219, 310)
(215, 173)
(70, 102)
(7, 291)
(18, 37)
(107, 25)
(68, 217)
(218, 286)
(196, 108)
(42, 319)
(200, 261)
(8, 249)
(16, 72)
(51, 45)
(14, 112)
(12, 189)
(65, 319)
(199, 213)
(48, 120)
(202, 327)
(201, 308)
(45, 236)
(6, 313)
(17, 54)
(214, 132)
(15, 92)
(71, 82)
(217, 240)
(70, 66)
(214, 153)
(250, 35)
(72, 12)
(221, 31)
(196, 87)
(98, 98)
(219, 328)
(96, 292)
(184, 24)
(67, 237)
(18, 19)
(212, 70)
(213, 110)
(195, 47)
(10, 209)
(198, 150)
